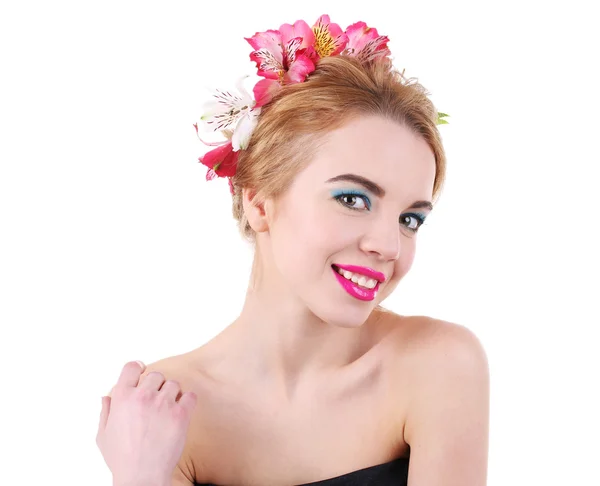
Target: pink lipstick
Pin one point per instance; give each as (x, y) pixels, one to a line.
(366, 271)
(356, 290)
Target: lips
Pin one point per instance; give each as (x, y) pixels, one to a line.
(354, 289)
(366, 271)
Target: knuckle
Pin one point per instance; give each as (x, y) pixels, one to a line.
(143, 395)
(180, 413)
(171, 383)
(157, 374)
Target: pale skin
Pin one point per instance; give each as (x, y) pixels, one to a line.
(310, 383)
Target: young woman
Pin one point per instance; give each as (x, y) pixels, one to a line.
(333, 165)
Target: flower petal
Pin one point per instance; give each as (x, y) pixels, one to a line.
(242, 89)
(374, 49)
(365, 43)
(289, 50)
(222, 160)
(264, 91)
(358, 35)
(330, 39)
(268, 53)
(227, 108)
(243, 130)
(210, 174)
(311, 53)
(298, 71)
(216, 156)
(299, 29)
(269, 40)
(213, 144)
(269, 65)
(228, 166)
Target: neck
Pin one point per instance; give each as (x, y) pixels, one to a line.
(278, 346)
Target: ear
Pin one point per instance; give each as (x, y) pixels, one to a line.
(258, 212)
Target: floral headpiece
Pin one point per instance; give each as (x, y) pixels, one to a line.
(284, 56)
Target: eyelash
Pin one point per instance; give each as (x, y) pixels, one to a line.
(340, 196)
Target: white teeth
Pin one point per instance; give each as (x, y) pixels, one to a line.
(358, 279)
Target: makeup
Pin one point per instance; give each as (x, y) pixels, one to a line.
(366, 271)
(339, 194)
(355, 290)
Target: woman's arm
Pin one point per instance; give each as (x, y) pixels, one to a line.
(447, 426)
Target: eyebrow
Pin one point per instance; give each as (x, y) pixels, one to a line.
(375, 188)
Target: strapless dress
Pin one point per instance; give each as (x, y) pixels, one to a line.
(393, 473)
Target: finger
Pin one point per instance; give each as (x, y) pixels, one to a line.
(171, 389)
(152, 381)
(130, 374)
(188, 401)
(104, 412)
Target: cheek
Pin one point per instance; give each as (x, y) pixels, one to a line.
(401, 268)
(404, 263)
(302, 238)
(308, 242)
(316, 228)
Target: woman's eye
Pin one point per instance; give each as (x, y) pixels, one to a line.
(412, 221)
(350, 200)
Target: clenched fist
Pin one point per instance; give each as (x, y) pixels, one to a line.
(143, 426)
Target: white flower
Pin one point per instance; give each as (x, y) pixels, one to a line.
(244, 128)
(232, 113)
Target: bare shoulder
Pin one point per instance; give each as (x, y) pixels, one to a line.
(442, 343)
(432, 342)
(447, 420)
(428, 346)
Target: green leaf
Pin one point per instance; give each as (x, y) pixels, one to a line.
(440, 120)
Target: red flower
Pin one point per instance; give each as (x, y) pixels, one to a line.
(221, 161)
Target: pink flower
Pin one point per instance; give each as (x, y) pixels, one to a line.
(288, 55)
(264, 91)
(302, 30)
(329, 38)
(365, 43)
(279, 56)
(221, 161)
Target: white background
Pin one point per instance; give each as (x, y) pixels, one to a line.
(115, 248)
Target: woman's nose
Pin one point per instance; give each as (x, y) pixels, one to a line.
(383, 238)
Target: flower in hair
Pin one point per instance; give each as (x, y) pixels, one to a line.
(233, 114)
(365, 43)
(235, 117)
(284, 56)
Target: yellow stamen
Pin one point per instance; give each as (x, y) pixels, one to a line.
(324, 42)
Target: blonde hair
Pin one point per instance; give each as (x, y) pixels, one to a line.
(291, 126)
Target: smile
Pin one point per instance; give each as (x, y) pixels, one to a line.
(357, 285)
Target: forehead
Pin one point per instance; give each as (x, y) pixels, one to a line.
(381, 150)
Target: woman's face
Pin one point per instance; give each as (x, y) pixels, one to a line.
(327, 217)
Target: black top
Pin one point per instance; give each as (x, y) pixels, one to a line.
(394, 473)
